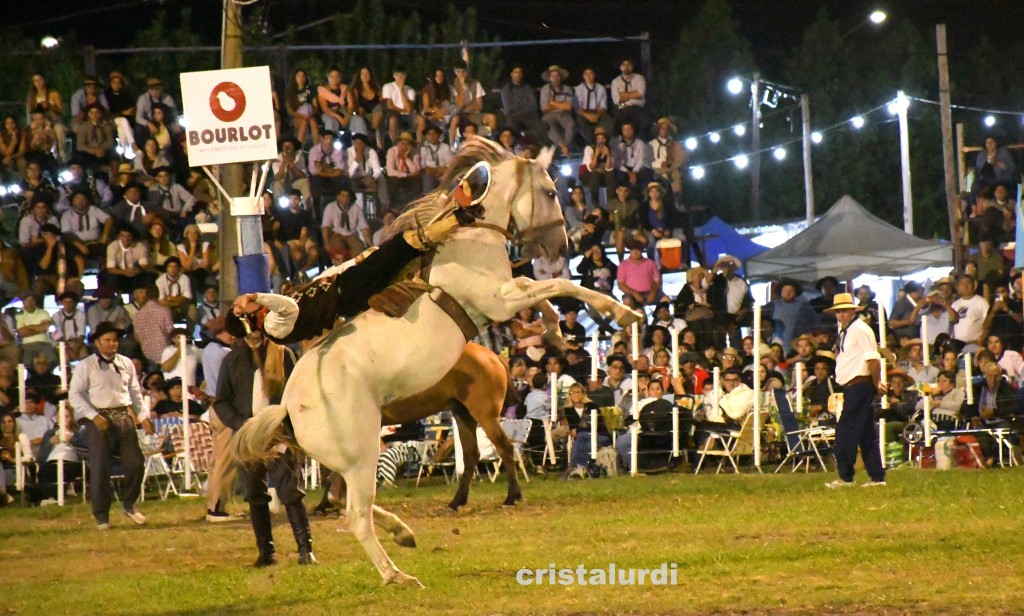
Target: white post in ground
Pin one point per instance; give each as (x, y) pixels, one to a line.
(19, 480)
(675, 432)
(881, 438)
(593, 434)
(675, 353)
(881, 344)
(186, 429)
(927, 420)
(798, 376)
(549, 445)
(62, 412)
(594, 352)
(757, 386)
(926, 350)
(969, 377)
(634, 439)
(716, 382)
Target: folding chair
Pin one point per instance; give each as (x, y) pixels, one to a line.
(802, 448)
(155, 464)
(730, 445)
(516, 430)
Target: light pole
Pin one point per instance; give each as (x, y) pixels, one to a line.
(755, 146)
(875, 18)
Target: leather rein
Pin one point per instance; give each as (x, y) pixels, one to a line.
(511, 231)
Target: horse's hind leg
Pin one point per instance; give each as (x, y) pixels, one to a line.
(492, 428)
(466, 426)
(400, 531)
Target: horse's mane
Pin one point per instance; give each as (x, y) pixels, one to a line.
(422, 210)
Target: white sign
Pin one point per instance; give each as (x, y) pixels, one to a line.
(230, 116)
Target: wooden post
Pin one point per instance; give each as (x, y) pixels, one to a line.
(230, 175)
(952, 196)
(805, 116)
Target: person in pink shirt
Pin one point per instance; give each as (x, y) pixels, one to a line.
(639, 278)
(404, 171)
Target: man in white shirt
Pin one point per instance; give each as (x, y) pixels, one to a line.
(70, 322)
(631, 160)
(127, 259)
(364, 167)
(327, 166)
(33, 423)
(174, 366)
(86, 229)
(176, 292)
(592, 106)
(859, 371)
(435, 157)
(629, 95)
(968, 315)
(404, 170)
(468, 98)
(171, 197)
(344, 226)
(400, 100)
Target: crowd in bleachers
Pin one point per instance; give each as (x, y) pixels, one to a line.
(102, 188)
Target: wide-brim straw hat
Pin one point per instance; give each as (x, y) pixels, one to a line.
(843, 301)
(546, 75)
(407, 136)
(671, 125)
(807, 337)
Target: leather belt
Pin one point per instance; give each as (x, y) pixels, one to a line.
(457, 313)
(859, 380)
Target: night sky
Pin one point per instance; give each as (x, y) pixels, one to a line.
(772, 26)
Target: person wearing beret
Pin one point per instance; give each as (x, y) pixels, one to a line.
(106, 396)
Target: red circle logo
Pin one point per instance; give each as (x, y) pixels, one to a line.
(227, 101)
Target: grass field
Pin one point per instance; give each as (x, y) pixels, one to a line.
(928, 543)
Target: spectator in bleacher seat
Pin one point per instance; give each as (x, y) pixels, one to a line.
(595, 225)
(159, 245)
(437, 105)
(916, 366)
(121, 105)
(629, 96)
(33, 422)
(574, 213)
(967, 314)
(996, 405)
(41, 97)
(468, 99)
(148, 160)
(366, 100)
(400, 101)
(120, 180)
(210, 308)
(160, 131)
(991, 267)
(822, 383)
(106, 309)
(96, 135)
(903, 401)
(632, 159)
(519, 105)
(725, 410)
(205, 194)
(556, 105)
(70, 323)
(528, 328)
(127, 262)
(639, 278)
(82, 180)
(624, 213)
(598, 168)
(12, 149)
(663, 316)
(152, 323)
(691, 376)
(171, 199)
(1004, 319)
(730, 299)
(9, 349)
(403, 169)
(30, 230)
(827, 286)
(175, 292)
(174, 403)
(994, 165)
(195, 256)
(332, 97)
(153, 96)
(327, 166)
(176, 366)
(41, 143)
(42, 379)
(947, 404)
(89, 94)
(53, 269)
(290, 170)
(344, 226)
(435, 157)
(364, 168)
(300, 103)
(693, 305)
(509, 141)
(294, 227)
(591, 105)
(1009, 360)
(790, 312)
(86, 229)
(8, 388)
(577, 415)
(668, 155)
(657, 218)
(33, 325)
(903, 320)
(466, 130)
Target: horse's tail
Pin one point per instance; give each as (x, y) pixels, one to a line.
(258, 438)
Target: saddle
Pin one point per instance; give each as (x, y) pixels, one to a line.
(395, 300)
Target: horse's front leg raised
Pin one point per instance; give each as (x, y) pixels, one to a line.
(520, 293)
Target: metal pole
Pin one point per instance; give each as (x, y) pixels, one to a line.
(805, 114)
(908, 200)
(755, 147)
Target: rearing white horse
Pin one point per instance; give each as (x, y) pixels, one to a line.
(334, 395)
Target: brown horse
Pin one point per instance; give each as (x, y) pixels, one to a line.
(475, 390)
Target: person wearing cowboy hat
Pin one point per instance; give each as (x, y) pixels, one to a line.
(153, 96)
(730, 298)
(821, 384)
(791, 313)
(364, 168)
(133, 210)
(669, 155)
(98, 190)
(290, 171)
(902, 403)
(404, 169)
(172, 199)
(629, 95)
(121, 106)
(127, 261)
(826, 286)
(327, 165)
(105, 394)
(435, 157)
(598, 168)
(915, 364)
(591, 106)
(89, 94)
(803, 349)
(632, 159)
(556, 105)
(95, 145)
(859, 371)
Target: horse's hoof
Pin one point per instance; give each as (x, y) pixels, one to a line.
(402, 579)
(405, 539)
(454, 505)
(628, 317)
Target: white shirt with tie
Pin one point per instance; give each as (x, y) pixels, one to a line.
(176, 287)
(87, 226)
(99, 383)
(856, 348)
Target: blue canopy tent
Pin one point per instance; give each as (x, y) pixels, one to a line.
(723, 239)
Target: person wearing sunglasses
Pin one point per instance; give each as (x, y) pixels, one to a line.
(345, 290)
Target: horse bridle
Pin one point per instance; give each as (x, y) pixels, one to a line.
(511, 230)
